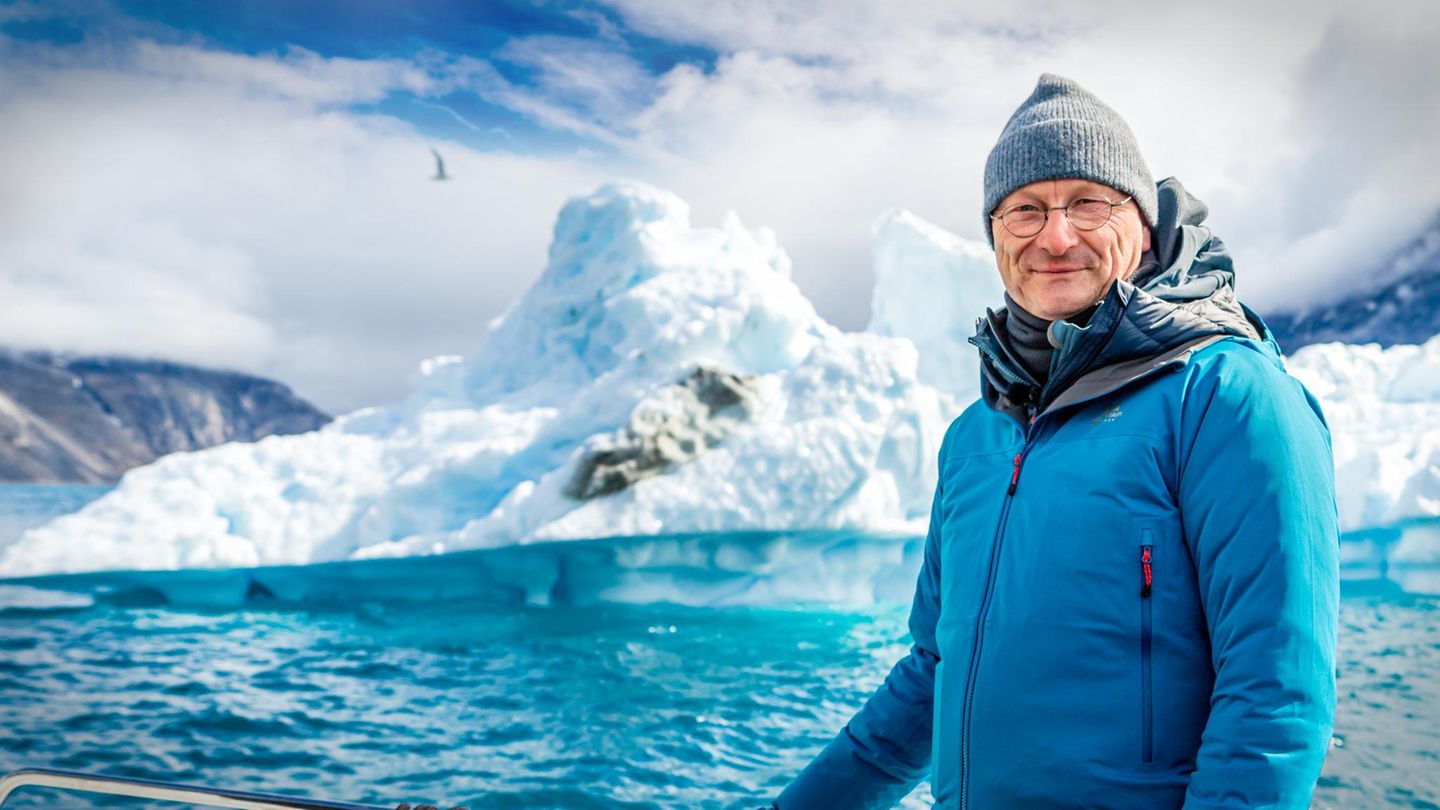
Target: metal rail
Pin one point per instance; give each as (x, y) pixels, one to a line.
(165, 791)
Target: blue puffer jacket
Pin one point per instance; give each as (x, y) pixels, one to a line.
(1130, 584)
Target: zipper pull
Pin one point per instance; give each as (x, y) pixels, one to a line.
(1015, 474)
(1145, 568)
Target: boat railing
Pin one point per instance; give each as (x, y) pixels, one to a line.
(202, 795)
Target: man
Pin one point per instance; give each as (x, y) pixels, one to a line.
(1130, 583)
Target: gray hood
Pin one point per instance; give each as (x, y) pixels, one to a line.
(1183, 295)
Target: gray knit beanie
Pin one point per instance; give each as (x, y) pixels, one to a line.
(1064, 131)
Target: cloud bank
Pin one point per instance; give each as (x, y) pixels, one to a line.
(272, 211)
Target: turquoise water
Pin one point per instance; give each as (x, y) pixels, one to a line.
(604, 707)
(467, 701)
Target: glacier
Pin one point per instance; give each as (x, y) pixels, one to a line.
(663, 383)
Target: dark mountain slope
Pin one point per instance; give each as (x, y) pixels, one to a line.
(88, 419)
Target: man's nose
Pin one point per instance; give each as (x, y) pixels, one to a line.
(1058, 235)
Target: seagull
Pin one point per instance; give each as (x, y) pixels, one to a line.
(439, 167)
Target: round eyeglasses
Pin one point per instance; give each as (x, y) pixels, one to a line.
(1085, 214)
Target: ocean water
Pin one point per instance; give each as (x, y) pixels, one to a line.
(466, 701)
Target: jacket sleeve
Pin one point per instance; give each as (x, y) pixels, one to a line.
(1257, 500)
(884, 751)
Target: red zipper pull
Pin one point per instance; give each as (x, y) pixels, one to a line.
(1015, 474)
(1145, 567)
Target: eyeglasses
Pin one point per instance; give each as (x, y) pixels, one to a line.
(1085, 214)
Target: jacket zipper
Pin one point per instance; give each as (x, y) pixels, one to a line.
(980, 620)
(990, 587)
(1147, 727)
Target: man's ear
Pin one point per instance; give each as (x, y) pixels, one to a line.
(1144, 240)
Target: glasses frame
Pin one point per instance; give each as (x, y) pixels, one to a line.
(1066, 208)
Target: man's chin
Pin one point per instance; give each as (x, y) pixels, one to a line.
(1053, 308)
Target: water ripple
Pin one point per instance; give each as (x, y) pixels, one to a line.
(558, 708)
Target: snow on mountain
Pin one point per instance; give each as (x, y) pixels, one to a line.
(657, 378)
(1399, 304)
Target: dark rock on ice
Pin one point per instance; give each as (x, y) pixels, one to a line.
(674, 425)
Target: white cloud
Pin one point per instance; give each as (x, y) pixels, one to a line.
(592, 77)
(1362, 182)
(216, 209)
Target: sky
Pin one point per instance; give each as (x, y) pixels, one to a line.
(246, 184)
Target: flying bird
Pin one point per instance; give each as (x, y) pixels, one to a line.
(439, 166)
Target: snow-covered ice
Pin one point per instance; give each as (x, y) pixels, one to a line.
(661, 378)
(1383, 408)
(930, 286)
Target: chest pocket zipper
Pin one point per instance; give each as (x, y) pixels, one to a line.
(1147, 703)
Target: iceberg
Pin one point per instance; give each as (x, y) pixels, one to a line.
(1383, 408)
(709, 570)
(657, 379)
(665, 380)
(931, 286)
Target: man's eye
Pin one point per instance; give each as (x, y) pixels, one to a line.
(1024, 208)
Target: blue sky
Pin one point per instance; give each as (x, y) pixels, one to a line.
(372, 30)
(245, 184)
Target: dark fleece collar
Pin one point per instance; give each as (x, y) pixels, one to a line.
(1029, 337)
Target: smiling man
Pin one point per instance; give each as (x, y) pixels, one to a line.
(1130, 584)
(1054, 273)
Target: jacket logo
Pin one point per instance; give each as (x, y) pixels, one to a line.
(1111, 414)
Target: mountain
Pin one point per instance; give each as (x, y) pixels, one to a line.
(89, 419)
(1403, 305)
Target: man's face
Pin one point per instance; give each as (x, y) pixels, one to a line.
(1063, 271)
